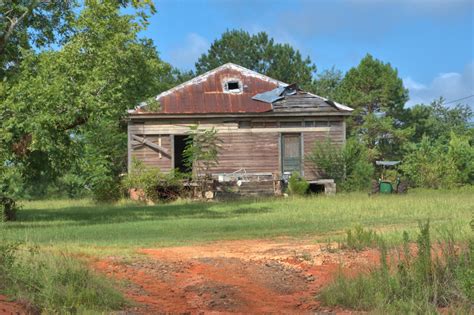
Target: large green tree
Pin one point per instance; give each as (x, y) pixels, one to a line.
(259, 53)
(378, 96)
(373, 87)
(65, 107)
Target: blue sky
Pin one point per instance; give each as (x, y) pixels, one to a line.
(430, 42)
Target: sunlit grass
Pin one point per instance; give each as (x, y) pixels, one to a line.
(81, 225)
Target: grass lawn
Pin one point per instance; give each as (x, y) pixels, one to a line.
(81, 225)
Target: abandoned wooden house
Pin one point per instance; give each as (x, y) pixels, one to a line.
(266, 127)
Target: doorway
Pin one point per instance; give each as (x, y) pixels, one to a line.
(291, 153)
(179, 159)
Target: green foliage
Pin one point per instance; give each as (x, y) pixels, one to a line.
(152, 105)
(155, 185)
(8, 209)
(360, 238)
(297, 185)
(433, 165)
(420, 283)
(348, 165)
(438, 121)
(373, 86)
(202, 150)
(54, 283)
(259, 53)
(377, 95)
(63, 110)
(327, 83)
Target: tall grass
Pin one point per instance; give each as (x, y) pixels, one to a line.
(435, 277)
(57, 284)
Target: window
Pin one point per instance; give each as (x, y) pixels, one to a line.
(233, 86)
(290, 124)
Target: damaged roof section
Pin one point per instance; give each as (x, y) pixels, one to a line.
(234, 89)
(291, 98)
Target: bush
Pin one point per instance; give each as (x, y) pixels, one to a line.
(348, 165)
(417, 284)
(297, 185)
(56, 284)
(156, 186)
(432, 164)
(8, 209)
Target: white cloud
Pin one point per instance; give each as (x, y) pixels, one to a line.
(186, 55)
(451, 86)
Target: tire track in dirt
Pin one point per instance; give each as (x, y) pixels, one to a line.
(251, 277)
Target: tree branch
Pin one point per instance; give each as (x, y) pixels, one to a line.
(14, 22)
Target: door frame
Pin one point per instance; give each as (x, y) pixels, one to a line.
(280, 151)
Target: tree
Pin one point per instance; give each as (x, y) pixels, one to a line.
(327, 83)
(66, 106)
(377, 95)
(40, 23)
(259, 53)
(372, 87)
(438, 121)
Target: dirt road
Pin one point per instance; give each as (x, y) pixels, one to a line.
(251, 276)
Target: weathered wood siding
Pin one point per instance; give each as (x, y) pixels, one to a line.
(255, 148)
(151, 157)
(255, 152)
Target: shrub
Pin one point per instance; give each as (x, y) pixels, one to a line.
(8, 209)
(360, 238)
(348, 165)
(156, 186)
(432, 164)
(417, 284)
(56, 284)
(297, 185)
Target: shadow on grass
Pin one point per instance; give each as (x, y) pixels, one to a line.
(104, 214)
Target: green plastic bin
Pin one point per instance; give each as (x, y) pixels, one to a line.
(386, 187)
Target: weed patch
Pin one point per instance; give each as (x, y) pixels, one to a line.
(417, 284)
(54, 283)
(360, 238)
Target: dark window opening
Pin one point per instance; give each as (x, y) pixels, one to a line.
(233, 86)
(316, 188)
(179, 160)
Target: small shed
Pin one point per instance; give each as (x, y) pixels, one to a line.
(266, 126)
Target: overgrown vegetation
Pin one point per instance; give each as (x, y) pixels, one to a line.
(8, 209)
(155, 185)
(435, 165)
(360, 238)
(436, 276)
(201, 154)
(297, 185)
(52, 283)
(348, 165)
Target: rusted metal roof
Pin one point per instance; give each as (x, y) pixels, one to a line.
(206, 93)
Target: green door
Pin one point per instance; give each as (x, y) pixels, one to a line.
(291, 153)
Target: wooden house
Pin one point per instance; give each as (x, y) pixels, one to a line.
(266, 126)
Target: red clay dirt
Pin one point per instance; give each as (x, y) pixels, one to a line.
(247, 277)
(8, 307)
